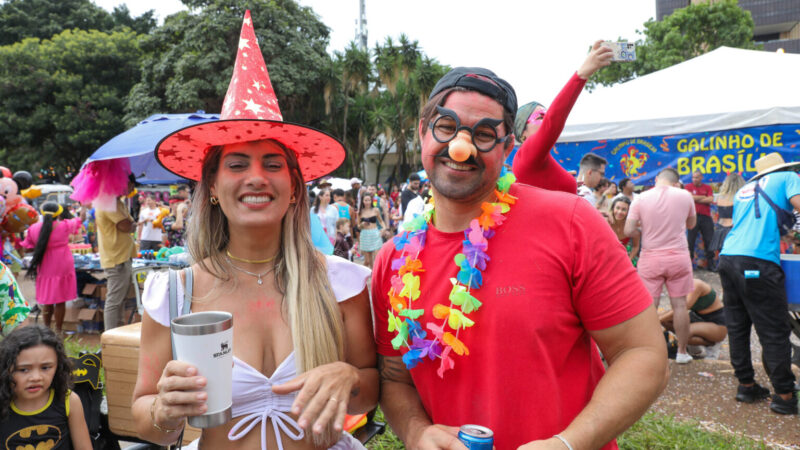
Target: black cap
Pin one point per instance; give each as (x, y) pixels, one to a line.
(481, 80)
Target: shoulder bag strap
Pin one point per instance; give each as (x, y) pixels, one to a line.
(173, 313)
(173, 304)
(187, 290)
(759, 191)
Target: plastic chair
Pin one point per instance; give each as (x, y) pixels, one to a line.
(136, 274)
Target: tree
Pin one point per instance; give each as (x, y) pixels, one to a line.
(407, 76)
(686, 33)
(373, 99)
(351, 77)
(62, 98)
(189, 59)
(44, 19)
(141, 25)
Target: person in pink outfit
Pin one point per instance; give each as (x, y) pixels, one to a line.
(665, 213)
(52, 266)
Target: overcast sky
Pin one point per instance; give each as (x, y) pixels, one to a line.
(536, 44)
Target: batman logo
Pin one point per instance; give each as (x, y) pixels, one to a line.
(87, 369)
(35, 437)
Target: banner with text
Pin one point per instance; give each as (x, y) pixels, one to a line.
(716, 154)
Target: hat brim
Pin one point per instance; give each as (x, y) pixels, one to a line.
(778, 168)
(182, 152)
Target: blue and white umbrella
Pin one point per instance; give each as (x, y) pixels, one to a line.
(138, 145)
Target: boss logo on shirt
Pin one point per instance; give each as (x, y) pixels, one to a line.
(519, 289)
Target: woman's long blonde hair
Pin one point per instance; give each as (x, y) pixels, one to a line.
(300, 273)
(733, 182)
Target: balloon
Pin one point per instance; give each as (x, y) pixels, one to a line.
(163, 212)
(19, 218)
(24, 179)
(8, 189)
(5, 171)
(32, 192)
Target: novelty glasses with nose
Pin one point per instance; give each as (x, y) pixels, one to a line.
(484, 133)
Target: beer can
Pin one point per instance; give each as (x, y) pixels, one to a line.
(476, 437)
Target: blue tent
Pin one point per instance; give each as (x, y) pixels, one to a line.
(138, 145)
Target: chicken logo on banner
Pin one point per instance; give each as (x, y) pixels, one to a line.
(633, 161)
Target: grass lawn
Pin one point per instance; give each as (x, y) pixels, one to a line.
(652, 432)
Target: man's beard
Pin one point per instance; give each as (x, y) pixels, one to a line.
(460, 190)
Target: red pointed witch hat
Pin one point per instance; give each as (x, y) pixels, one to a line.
(250, 112)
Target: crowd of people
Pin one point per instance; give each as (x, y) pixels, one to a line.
(372, 216)
(499, 257)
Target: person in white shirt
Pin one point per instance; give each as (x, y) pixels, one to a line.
(149, 236)
(592, 170)
(328, 213)
(415, 206)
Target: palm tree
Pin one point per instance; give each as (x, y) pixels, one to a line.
(376, 101)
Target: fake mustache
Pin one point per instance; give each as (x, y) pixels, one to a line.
(445, 153)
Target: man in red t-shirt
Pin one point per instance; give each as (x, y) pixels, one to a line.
(556, 287)
(703, 197)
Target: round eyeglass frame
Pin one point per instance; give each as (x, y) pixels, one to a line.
(446, 113)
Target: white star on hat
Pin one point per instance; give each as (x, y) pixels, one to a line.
(257, 85)
(243, 43)
(252, 106)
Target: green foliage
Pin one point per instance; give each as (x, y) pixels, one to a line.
(60, 99)
(373, 98)
(686, 33)
(141, 25)
(386, 441)
(20, 19)
(189, 59)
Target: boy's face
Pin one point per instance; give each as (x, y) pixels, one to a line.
(344, 228)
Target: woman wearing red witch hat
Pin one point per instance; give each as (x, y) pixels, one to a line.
(303, 349)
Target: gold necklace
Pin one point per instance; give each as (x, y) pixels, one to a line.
(257, 275)
(249, 261)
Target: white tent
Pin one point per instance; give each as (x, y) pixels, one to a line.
(724, 89)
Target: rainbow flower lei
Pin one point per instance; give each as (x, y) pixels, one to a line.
(471, 262)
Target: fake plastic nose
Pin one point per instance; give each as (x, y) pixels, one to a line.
(461, 147)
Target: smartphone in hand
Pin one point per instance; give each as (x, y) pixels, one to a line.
(623, 51)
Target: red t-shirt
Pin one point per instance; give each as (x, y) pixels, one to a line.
(704, 190)
(533, 163)
(556, 270)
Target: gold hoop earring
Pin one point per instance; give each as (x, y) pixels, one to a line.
(213, 200)
(293, 199)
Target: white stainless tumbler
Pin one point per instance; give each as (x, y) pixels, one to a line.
(205, 340)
